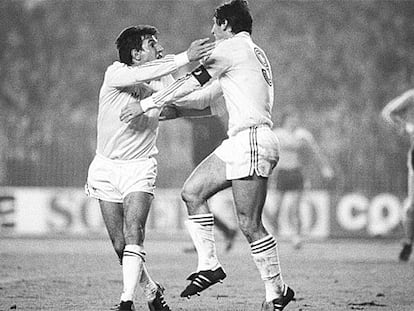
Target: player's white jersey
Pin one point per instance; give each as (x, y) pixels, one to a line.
(122, 85)
(245, 77)
(292, 146)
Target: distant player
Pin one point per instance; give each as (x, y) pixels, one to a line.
(244, 161)
(122, 174)
(296, 145)
(399, 113)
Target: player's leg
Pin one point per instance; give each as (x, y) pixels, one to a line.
(408, 219)
(136, 183)
(136, 209)
(272, 212)
(99, 185)
(206, 180)
(249, 197)
(113, 216)
(228, 232)
(295, 208)
(282, 185)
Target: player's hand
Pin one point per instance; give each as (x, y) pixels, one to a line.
(131, 111)
(199, 49)
(169, 112)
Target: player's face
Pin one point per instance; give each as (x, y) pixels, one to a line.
(219, 31)
(151, 49)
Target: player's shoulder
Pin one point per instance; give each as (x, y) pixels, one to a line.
(114, 67)
(222, 44)
(233, 42)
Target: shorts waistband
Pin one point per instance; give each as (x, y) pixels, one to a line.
(251, 128)
(259, 126)
(118, 161)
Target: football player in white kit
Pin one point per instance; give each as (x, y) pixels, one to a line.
(399, 113)
(244, 161)
(296, 144)
(122, 174)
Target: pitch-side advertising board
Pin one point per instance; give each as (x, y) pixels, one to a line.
(31, 211)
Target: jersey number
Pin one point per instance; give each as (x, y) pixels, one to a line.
(265, 64)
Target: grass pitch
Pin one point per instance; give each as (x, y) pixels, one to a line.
(83, 274)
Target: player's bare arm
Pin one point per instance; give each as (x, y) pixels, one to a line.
(393, 112)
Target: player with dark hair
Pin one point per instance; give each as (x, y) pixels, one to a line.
(122, 174)
(399, 113)
(243, 162)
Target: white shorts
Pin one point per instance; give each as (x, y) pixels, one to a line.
(254, 150)
(112, 180)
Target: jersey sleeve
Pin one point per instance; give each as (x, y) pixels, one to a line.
(220, 60)
(215, 65)
(210, 95)
(123, 76)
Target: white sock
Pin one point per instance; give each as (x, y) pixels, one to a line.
(132, 263)
(201, 229)
(265, 256)
(147, 284)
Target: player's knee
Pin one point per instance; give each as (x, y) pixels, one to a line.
(190, 194)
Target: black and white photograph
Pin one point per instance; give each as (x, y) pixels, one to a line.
(206, 155)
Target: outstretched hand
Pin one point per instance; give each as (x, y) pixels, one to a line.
(131, 111)
(199, 49)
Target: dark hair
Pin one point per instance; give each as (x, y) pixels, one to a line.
(237, 15)
(131, 38)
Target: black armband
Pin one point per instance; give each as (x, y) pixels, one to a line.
(201, 74)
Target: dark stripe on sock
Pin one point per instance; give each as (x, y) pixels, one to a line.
(203, 220)
(260, 242)
(134, 254)
(195, 217)
(264, 245)
(264, 249)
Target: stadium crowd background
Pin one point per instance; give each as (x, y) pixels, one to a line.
(337, 62)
